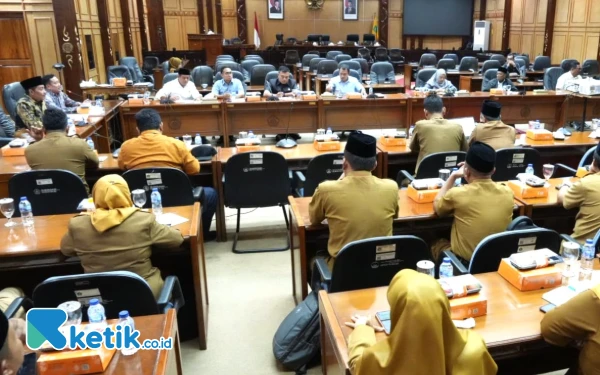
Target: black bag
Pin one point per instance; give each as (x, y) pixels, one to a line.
(297, 342)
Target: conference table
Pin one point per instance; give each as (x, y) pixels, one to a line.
(29, 255)
(97, 126)
(112, 91)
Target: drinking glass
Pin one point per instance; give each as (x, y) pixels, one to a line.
(444, 174)
(73, 310)
(570, 254)
(204, 85)
(548, 170)
(139, 197)
(427, 267)
(187, 139)
(7, 206)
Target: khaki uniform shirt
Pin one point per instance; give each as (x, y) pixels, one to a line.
(585, 194)
(480, 208)
(496, 134)
(126, 247)
(357, 207)
(151, 149)
(437, 135)
(577, 320)
(57, 151)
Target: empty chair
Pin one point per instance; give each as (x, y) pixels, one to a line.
(352, 38)
(254, 57)
(291, 40)
(566, 64)
(236, 40)
(327, 66)
(278, 39)
(452, 56)
(446, 64)
(423, 76)
(134, 68)
(324, 39)
(342, 57)
(521, 63)
(320, 168)
(500, 58)
(11, 93)
(202, 74)
(395, 55)
(230, 64)
(307, 58)
(551, 76)
(314, 52)
(427, 60)
(590, 68)
(247, 66)
(382, 72)
(259, 73)
(61, 192)
(432, 163)
(469, 63)
(490, 64)
(169, 77)
(313, 38)
(381, 54)
(364, 53)
(166, 67)
(364, 65)
(149, 64)
(585, 162)
(119, 71)
(352, 72)
(291, 57)
(512, 161)
(332, 54)
(226, 42)
(315, 62)
(225, 57)
(368, 39)
(541, 63)
(489, 75)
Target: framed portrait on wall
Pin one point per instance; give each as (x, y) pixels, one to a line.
(350, 10)
(275, 8)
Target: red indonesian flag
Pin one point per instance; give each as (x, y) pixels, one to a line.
(256, 32)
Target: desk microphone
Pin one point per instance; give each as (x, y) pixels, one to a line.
(287, 142)
(76, 95)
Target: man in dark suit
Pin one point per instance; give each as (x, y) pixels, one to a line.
(350, 9)
(276, 7)
(500, 81)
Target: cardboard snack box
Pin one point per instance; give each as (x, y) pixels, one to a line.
(521, 190)
(535, 279)
(539, 134)
(327, 146)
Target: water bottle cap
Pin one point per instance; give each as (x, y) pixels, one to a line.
(446, 260)
(89, 138)
(93, 301)
(529, 165)
(154, 189)
(197, 134)
(23, 198)
(454, 169)
(123, 314)
(589, 241)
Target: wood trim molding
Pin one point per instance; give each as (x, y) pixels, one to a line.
(68, 39)
(549, 28)
(156, 25)
(200, 6)
(506, 24)
(107, 51)
(125, 15)
(209, 14)
(384, 6)
(143, 28)
(482, 10)
(219, 11)
(242, 20)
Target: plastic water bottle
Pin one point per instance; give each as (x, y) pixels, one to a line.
(156, 200)
(446, 269)
(370, 90)
(26, 212)
(197, 139)
(529, 169)
(329, 131)
(96, 315)
(458, 181)
(90, 142)
(126, 320)
(587, 260)
(411, 130)
(537, 124)
(251, 134)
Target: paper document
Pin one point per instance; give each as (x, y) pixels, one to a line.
(467, 123)
(171, 219)
(102, 158)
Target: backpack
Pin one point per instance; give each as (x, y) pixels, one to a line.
(296, 344)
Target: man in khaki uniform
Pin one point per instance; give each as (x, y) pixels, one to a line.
(358, 205)
(436, 134)
(480, 208)
(584, 194)
(492, 130)
(57, 151)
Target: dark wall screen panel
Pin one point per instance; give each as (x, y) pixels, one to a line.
(438, 17)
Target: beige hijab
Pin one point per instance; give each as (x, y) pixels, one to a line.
(113, 202)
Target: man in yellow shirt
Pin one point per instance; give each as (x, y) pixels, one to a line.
(152, 149)
(480, 208)
(492, 130)
(358, 205)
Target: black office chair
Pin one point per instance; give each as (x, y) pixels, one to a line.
(326, 66)
(325, 39)
(492, 249)
(278, 39)
(357, 265)
(381, 54)
(169, 77)
(247, 66)
(312, 38)
(236, 40)
(116, 291)
(119, 71)
(256, 179)
(254, 57)
(352, 38)
(149, 64)
(314, 52)
(525, 58)
(566, 64)
(50, 191)
(364, 65)
(446, 64)
(452, 56)
(432, 163)
(136, 73)
(427, 60)
(364, 53)
(342, 57)
(512, 161)
(368, 39)
(332, 54)
(551, 76)
(291, 57)
(292, 40)
(226, 42)
(307, 58)
(423, 76)
(585, 162)
(351, 72)
(521, 63)
(395, 55)
(500, 58)
(173, 185)
(469, 63)
(314, 63)
(320, 168)
(354, 65)
(490, 64)
(271, 75)
(590, 68)
(489, 75)
(230, 64)
(259, 73)
(202, 74)
(381, 72)
(11, 93)
(541, 63)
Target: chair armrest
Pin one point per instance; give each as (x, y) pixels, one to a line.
(198, 192)
(456, 262)
(300, 176)
(321, 265)
(171, 295)
(566, 237)
(19, 302)
(567, 168)
(407, 175)
(290, 174)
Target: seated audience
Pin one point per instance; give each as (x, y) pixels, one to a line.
(57, 151)
(480, 208)
(55, 97)
(440, 83)
(492, 131)
(577, 323)
(500, 82)
(436, 134)
(152, 149)
(12, 341)
(585, 195)
(228, 87)
(358, 205)
(423, 340)
(118, 236)
(7, 125)
(345, 83)
(181, 88)
(570, 80)
(30, 109)
(511, 65)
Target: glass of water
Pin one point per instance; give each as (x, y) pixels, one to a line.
(7, 207)
(204, 85)
(548, 170)
(444, 174)
(73, 310)
(187, 139)
(570, 254)
(139, 197)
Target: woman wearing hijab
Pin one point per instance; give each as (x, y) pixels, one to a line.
(118, 236)
(421, 323)
(439, 81)
(174, 64)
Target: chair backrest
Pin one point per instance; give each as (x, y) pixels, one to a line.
(520, 62)
(427, 60)
(452, 56)
(236, 40)
(512, 161)
(271, 75)
(11, 93)
(119, 71)
(551, 76)
(314, 63)
(291, 40)
(395, 55)
(364, 53)
(169, 77)
(368, 38)
(446, 64)
(247, 66)
(381, 54)
(489, 75)
(173, 185)
(314, 52)
(354, 38)
(364, 64)
(423, 76)
(587, 158)
(50, 191)
(134, 68)
(325, 39)
(226, 42)
(491, 250)
(322, 168)
(253, 57)
(469, 63)
(202, 74)
(357, 265)
(225, 57)
(332, 54)
(227, 63)
(116, 291)
(166, 66)
(382, 69)
(500, 58)
(490, 64)
(566, 64)
(342, 57)
(307, 58)
(327, 66)
(256, 179)
(525, 58)
(291, 57)
(541, 63)
(432, 163)
(352, 65)
(150, 62)
(259, 73)
(352, 72)
(590, 67)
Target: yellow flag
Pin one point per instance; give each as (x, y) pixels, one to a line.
(375, 28)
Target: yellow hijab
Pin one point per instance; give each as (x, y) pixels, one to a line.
(174, 63)
(424, 341)
(113, 202)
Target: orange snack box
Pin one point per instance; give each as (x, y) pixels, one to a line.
(13, 151)
(252, 98)
(468, 307)
(327, 146)
(135, 101)
(309, 97)
(354, 96)
(535, 279)
(496, 91)
(247, 148)
(392, 141)
(522, 190)
(75, 362)
(539, 134)
(83, 110)
(119, 82)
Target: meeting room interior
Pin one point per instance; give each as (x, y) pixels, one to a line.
(301, 186)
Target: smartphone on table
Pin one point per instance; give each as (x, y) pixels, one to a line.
(384, 319)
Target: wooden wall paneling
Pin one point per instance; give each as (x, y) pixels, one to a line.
(181, 19)
(482, 9)
(156, 25)
(219, 16)
(506, 23)
(200, 6)
(142, 15)
(106, 37)
(173, 29)
(16, 63)
(69, 44)
(127, 18)
(395, 37)
(242, 22)
(576, 30)
(210, 15)
(383, 22)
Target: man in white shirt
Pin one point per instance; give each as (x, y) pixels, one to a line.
(344, 83)
(570, 80)
(179, 89)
